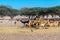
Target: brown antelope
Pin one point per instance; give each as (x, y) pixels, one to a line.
(30, 25)
(56, 23)
(42, 23)
(53, 23)
(59, 23)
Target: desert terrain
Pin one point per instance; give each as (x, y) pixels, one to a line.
(18, 33)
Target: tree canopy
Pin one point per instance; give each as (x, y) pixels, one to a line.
(6, 10)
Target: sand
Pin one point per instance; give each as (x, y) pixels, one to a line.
(29, 37)
(16, 33)
(7, 23)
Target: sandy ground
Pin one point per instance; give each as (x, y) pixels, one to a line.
(29, 37)
(16, 33)
(10, 23)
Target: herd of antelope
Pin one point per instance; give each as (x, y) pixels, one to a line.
(43, 23)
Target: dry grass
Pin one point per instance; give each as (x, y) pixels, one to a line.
(18, 30)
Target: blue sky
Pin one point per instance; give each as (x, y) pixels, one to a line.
(17, 4)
